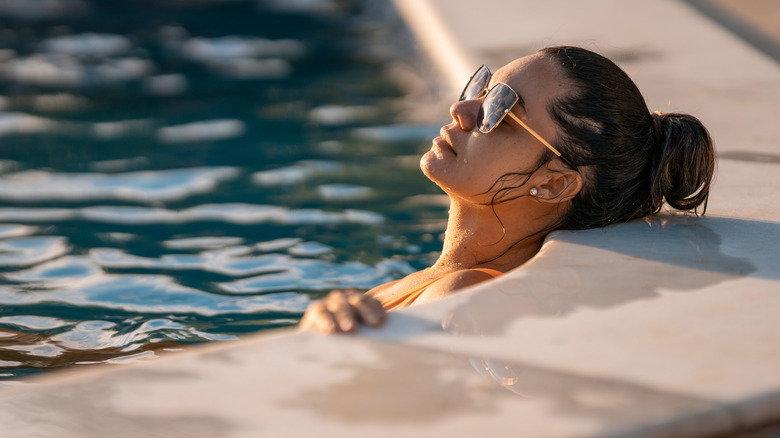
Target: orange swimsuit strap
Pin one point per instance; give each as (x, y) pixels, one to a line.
(408, 297)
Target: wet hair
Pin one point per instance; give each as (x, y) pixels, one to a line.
(631, 160)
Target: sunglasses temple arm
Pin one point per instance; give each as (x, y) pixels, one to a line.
(538, 137)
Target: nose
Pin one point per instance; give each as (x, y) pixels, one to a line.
(464, 113)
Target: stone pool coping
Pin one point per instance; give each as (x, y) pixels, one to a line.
(665, 327)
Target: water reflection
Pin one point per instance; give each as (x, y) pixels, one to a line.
(204, 130)
(431, 388)
(606, 401)
(142, 186)
(165, 182)
(231, 213)
(296, 173)
(25, 251)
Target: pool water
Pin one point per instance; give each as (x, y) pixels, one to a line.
(177, 172)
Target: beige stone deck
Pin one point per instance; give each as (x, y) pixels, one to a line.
(669, 327)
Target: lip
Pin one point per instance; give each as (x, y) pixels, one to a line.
(444, 141)
(443, 145)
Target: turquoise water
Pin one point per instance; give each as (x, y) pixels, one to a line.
(178, 172)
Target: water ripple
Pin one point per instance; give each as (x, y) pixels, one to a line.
(65, 271)
(204, 130)
(164, 185)
(319, 275)
(235, 263)
(236, 213)
(142, 186)
(61, 70)
(14, 230)
(152, 294)
(87, 44)
(208, 242)
(32, 322)
(296, 173)
(30, 250)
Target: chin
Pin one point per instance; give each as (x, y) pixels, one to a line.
(434, 169)
(430, 165)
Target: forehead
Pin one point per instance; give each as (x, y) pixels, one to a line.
(535, 78)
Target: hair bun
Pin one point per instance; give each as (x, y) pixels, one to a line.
(684, 162)
(657, 126)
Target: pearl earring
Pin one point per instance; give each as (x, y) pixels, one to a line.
(534, 192)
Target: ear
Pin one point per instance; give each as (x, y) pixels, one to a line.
(559, 183)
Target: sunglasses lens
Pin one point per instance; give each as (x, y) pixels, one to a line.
(494, 107)
(477, 83)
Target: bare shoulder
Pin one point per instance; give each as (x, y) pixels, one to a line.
(392, 288)
(453, 282)
(377, 290)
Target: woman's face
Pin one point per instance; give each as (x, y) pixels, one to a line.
(465, 162)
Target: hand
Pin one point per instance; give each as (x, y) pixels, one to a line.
(341, 311)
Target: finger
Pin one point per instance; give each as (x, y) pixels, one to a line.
(343, 313)
(317, 317)
(325, 323)
(368, 309)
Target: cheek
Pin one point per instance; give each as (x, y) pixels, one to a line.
(478, 166)
(492, 159)
(490, 166)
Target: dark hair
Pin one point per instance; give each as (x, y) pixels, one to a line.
(631, 160)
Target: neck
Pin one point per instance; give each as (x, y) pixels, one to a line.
(475, 237)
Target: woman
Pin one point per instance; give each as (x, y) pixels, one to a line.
(561, 139)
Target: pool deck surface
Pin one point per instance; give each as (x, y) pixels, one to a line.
(658, 328)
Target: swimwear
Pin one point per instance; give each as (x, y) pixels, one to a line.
(410, 296)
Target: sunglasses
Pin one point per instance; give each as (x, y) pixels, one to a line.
(497, 103)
